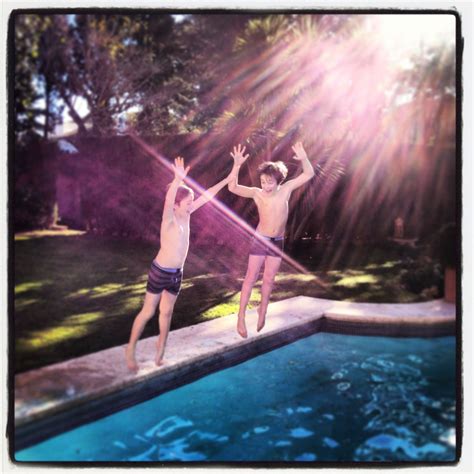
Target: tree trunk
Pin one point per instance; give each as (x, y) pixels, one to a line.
(75, 116)
(47, 114)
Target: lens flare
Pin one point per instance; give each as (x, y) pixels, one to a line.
(233, 222)
(366, 100)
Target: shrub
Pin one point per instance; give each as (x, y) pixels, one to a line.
(444, 244)
(32, 210)
(422, 274)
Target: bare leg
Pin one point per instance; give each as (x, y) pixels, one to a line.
(166, 311)
(145, 314)
(253, 269)
(272, 264)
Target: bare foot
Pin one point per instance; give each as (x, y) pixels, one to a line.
(159, 356)
(261, 320)
(241, 329)
(130, 358)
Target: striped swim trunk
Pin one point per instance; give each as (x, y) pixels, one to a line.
(160, 278)
(257, 247)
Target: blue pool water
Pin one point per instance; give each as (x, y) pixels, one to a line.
(328, 397)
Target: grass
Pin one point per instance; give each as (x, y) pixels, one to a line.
(76, 294)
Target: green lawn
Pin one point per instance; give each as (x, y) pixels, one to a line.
(77, 294)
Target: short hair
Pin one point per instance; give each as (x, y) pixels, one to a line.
(182, 192)
(277, 169)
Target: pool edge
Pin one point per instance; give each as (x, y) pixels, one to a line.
(32, 429)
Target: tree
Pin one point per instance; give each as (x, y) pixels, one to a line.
(112, 62)
(107, 61)
(31, 84)
(146, 70)
(197, 49)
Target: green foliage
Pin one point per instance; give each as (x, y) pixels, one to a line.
(422, 274)
(266, 80)
(163, 76)
(77, 294)
(120, 196)
(27, 30)
(32, 209)
(444, 244)
(34, 190)
(263, 31)
(112, 61)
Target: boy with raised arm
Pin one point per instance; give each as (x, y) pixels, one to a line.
(164, 277)
(272, 205)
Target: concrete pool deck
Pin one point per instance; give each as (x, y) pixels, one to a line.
(62, 396)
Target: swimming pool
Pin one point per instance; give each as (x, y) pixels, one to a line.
(328, 397)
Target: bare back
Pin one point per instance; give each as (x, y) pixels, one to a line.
(272, 212)
(174, 243)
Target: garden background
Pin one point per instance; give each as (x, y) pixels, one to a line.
(97, 96)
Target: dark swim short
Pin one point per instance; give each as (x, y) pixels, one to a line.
(160, 279)
(259, 247)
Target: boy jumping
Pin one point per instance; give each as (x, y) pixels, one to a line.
(267, 244)
(164, 277)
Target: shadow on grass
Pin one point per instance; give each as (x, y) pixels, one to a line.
(79, 294)
(76, 295)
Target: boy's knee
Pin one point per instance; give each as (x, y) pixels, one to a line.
(268, 279)
(166, 314)
(250, 282)
(146, 314)
(251, 277)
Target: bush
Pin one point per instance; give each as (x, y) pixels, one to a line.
(32, 210)
(444, 244)
(422, 275)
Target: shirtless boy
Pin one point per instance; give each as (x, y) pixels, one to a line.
(164, 277)
(267, 244)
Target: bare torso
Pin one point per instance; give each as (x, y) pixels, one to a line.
(272, 212)
(174, 243)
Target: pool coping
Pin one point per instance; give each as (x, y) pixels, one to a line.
(65, 395)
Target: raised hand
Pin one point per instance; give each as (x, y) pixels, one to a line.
(179, 171)
(300, 153)
(238, 155)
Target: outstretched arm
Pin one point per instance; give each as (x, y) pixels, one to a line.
(308, 171)
(179, 174)
(234, 187)
(207, 195)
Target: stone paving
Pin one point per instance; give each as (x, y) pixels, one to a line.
(44, 392)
